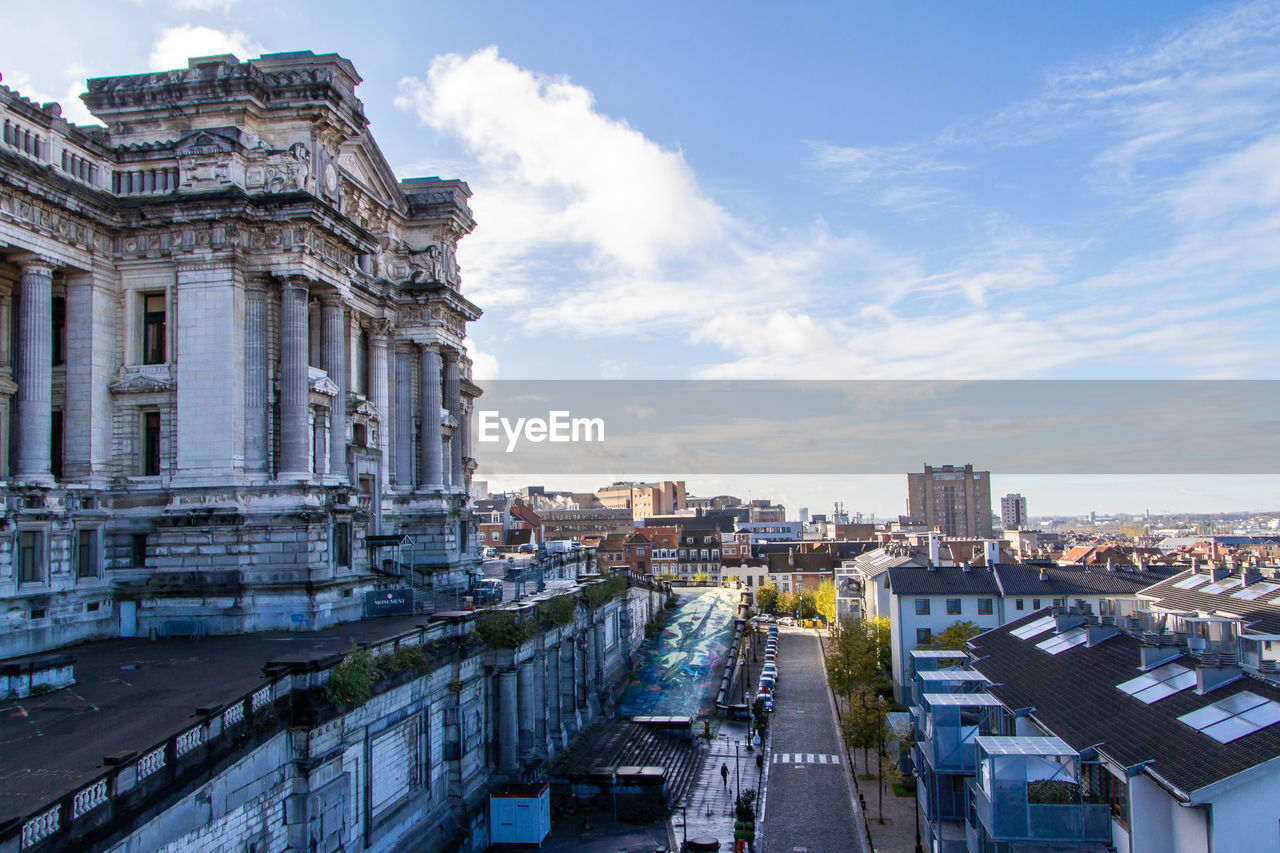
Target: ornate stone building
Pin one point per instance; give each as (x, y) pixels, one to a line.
(231, 346)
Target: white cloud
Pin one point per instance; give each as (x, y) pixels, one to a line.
(483, 365)
(223, 6)
(557, 183)
(178, 44)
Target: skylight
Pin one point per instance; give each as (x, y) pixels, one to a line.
(1234, 716)
(1191, 582)
(1159, 683)
(1061, 642)
(1255, 591)
(1223, 585)
(1032, 628)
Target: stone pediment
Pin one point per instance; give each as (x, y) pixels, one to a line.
(363, 164)
(324, 385)
(357, 405)
(143, 379)
(204, 142)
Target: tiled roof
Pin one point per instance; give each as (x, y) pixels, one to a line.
(1261, 614)
(1074, 696)
(1018, 579)
(907, 580)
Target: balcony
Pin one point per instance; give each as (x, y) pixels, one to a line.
(1028, 789)
(950, 726)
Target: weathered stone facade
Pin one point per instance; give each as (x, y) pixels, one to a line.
(288, 767)
(231, 346)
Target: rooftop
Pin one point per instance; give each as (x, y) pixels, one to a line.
(1076, 694)
(1257, 603)
(131, 693)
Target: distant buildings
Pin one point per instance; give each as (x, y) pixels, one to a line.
(1013, 512)
(956, 501)
(644, 499)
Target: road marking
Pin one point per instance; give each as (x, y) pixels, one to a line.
(801, 758)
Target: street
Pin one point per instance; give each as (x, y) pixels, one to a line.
(809, 806)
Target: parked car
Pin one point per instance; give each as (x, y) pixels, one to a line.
(786, 620)
(770, 657)
(768, 702)
(525, 548)
(490, 553)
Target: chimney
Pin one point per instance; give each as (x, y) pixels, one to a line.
(991, 550)
(1044, 575)
(967, 568)
(934, 548)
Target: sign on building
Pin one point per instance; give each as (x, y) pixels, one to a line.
(388, 602)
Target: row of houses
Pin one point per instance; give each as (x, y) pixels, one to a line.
(1135, 722)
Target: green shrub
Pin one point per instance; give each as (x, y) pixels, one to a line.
(598, 593)
(41, 690)
(559, 611)
(352, 680)
(404, 659)
(1053, 792)
(501, 629)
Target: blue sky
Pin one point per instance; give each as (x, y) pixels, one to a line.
(825, 190)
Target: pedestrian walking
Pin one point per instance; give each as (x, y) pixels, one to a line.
(724, 774)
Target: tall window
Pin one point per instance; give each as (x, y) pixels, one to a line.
(55, 443)
(953, 606)
(984, 607)
(342, 544)
(138, 550)
(922, 607)
(30, 556)
(150, 444)
(59, 308)
(87, 553)
(153, 328)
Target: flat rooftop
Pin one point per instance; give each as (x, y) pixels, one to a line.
(131, 693)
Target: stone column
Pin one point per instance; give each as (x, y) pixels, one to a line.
(524, 683)
(379, 331)
(430, 466)
(508, 724)
(453, 401)
(295, 438)
(334, 355)
(35, 372)
(255, 378)
(6, 356)
(404, 417)
(554, 695)
(539, 679)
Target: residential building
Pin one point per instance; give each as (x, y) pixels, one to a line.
(581, 524)
(797, 570)
(1013, 512)
(1147, 725)
(953, 500)
(771, 531)
(766, 512)
(234, 343)
(644, 499)
(921, 598)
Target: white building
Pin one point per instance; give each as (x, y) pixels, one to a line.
(238, 346)
(1013, 512)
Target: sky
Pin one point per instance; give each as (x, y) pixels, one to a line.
(827, 190)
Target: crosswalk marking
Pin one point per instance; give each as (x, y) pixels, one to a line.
(805, 758)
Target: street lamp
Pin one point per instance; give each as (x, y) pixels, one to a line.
(614, 775)
(684, 822)
(915, 774)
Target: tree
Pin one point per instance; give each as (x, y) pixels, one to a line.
(825, 601)
(806, 603)
(954, 637)
(767, 598)
(788, 603)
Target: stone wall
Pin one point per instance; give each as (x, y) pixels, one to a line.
(284, 767)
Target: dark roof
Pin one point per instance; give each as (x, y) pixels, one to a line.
(847, 550)
(798, 562)
(1261, 615)
(911, 580)
(1019, 579)
(1074, 696)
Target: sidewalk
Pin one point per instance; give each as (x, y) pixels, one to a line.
(710, 812)
(896, 832)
